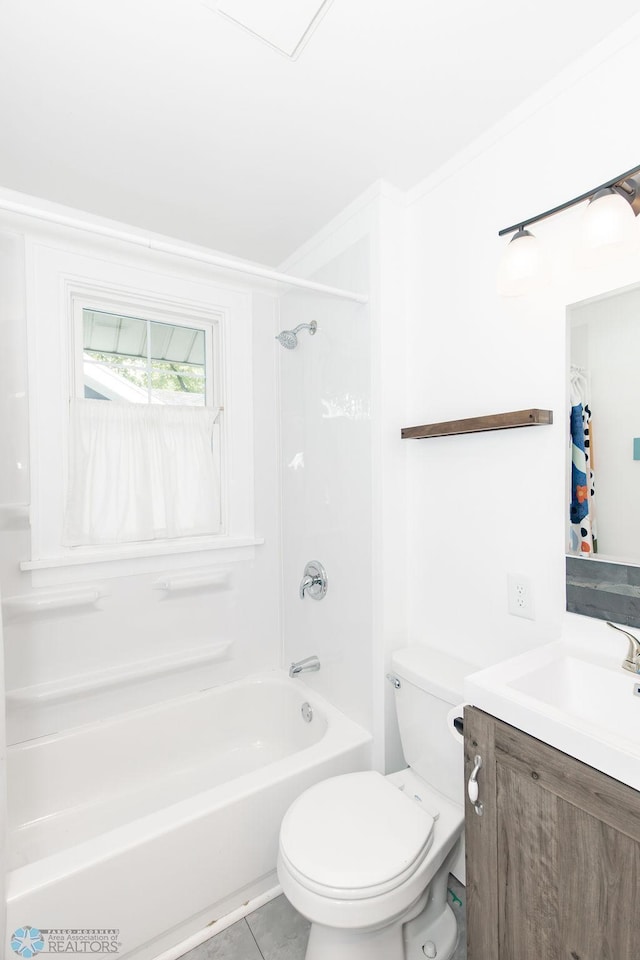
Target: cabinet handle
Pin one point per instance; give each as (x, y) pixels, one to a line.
(472, 786)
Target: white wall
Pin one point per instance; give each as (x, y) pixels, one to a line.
(133, 625)
(485, 505)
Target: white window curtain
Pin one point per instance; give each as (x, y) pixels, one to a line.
(141, 472)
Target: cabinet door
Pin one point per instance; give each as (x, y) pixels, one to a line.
(553, 863)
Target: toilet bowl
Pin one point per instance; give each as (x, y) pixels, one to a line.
(357, 855)
(365, 857)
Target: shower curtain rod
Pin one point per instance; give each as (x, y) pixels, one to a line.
(188, 253)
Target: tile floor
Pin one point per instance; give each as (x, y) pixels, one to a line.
(277, 932)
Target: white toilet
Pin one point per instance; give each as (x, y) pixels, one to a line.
(366, 857)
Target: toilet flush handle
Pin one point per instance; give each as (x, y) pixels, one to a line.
(472, 786)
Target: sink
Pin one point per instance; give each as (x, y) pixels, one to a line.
(573, 694)
(586, 692)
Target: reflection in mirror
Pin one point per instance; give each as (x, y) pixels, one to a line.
(604, 385)
(603, 479)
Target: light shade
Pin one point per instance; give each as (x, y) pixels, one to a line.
(522, 266)
(609, 221)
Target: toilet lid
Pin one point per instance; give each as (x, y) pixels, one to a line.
(357, 835)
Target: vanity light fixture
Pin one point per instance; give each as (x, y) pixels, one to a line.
(609, 219)
(609, 222)
(521, 265)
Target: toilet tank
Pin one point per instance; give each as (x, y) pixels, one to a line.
(430, 686)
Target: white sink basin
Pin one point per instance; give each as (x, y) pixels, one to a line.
(587, 693)
(572, 695)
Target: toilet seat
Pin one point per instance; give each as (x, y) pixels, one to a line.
(354, 837)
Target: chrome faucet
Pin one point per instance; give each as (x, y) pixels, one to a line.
(314, 582)
(632, 660)
(307, 583)
(308, 665)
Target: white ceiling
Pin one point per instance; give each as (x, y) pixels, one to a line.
(167, 115)
(285, 24)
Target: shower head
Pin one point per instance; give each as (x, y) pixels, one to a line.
(289, 338)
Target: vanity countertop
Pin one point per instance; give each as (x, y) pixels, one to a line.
(573, 694)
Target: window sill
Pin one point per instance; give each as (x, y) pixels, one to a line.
(157, 551)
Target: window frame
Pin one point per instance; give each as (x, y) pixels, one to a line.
(58, 280)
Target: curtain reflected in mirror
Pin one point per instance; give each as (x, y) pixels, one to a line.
(583, 537)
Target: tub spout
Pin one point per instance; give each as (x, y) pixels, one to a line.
(308, 665)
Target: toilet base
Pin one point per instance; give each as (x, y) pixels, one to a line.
(329, 943)
(443, 935)
(429, 923)
(435, 927)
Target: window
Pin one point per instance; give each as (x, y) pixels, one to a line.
(140, 412)
(146, 464)
(144, 361)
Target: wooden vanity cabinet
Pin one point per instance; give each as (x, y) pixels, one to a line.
(553, 863)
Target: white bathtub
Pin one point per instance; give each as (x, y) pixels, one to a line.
(158, 822)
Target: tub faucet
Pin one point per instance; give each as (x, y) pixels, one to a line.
(308, 665)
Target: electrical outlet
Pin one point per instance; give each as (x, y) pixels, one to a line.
(520, 596)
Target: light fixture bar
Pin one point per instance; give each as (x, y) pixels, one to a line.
(616, 182)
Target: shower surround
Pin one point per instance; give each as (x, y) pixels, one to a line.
(144, 766)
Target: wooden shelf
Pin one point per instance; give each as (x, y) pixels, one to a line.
(496, 421)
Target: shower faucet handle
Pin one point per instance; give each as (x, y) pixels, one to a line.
(314, 582)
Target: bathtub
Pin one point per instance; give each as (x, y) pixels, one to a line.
(155, 824)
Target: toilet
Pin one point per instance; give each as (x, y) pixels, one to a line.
(366, 857)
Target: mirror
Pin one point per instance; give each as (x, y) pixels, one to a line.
(603, 477)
